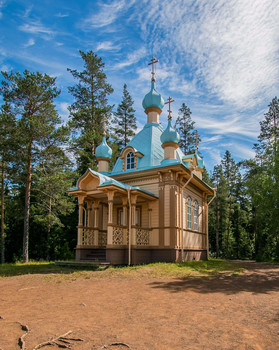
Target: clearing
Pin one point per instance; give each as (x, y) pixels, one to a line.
(162, 306)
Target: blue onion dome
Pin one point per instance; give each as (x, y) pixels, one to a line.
(103, 150)
(170, 134)
(153, 98)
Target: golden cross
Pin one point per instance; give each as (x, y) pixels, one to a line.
(153, 61)
(169, 101)
(197, 139)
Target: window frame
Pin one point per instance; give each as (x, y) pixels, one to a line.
(189, 213)
(130, 161)
(196, 215)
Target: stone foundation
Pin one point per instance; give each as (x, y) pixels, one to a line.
(119, 256)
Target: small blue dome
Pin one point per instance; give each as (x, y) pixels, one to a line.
(153, 98)
(170, 134)
(103, 150)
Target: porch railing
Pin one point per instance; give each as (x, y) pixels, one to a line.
(88, 236)
(142, 236)
(120, 236)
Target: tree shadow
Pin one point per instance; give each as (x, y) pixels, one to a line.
(260, 278)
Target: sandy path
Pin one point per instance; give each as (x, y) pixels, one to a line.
(240, 312)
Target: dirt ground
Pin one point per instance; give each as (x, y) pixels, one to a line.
(224, 312)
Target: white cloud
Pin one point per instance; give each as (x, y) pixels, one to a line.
(2, 3)
(108, 13)
(232, 124)
(5, 68)
(35, 27)
(62, 15)
(232, 45)
(107, 46)
(132, 58)
(63, 110)
(211, 139)
(30, 42)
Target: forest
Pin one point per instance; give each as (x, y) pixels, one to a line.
(41, 158)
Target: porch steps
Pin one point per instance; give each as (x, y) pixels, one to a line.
(98, 255)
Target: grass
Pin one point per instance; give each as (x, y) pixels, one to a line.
(213, 267)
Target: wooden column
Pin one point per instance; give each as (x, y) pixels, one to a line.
(89, 214)
(110, 195)
(96, 222)
(133, 218)
(80, 219)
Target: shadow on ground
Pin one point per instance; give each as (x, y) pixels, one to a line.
(259, 278)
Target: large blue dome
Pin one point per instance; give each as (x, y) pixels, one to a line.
(170, 134)
(103, 150)
(153, 98)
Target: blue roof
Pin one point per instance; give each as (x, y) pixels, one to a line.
(107, 180)
(148, 142)
(103, 150)
(153, 98)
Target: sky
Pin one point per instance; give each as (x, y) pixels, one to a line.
(219, 57)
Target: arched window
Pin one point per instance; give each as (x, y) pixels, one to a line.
(189, 213)
(130, 164)
(196, 216)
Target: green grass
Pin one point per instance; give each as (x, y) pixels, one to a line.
(35, 267)
(213, 267)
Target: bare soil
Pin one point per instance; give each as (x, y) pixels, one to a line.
(120, 312)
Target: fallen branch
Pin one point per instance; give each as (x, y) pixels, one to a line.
(61, 341)
(115, 344)
(21, 341)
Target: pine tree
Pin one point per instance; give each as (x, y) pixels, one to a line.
(7, 128)
(53, 176)
(185, 127)
(264, 172)
(31, 98)
(124, 120)
(219, 211)
(90, 110)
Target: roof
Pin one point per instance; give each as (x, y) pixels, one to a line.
(148, 142)
(103, 150)
(153, 98)
(170, 134)
(107, 180)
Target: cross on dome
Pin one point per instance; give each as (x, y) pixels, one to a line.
(153, 61)
(197, 139)
(169, 101)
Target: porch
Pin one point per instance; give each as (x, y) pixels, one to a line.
(113, 220)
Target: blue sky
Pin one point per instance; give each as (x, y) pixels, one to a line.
(220, 57)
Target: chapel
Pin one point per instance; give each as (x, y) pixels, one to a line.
(152, 205)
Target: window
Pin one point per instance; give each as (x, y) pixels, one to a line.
(130, 161)
(189, 213)
(137, 217)
(196, 216)
(120, 217)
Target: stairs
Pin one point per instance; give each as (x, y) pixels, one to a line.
(98, 255)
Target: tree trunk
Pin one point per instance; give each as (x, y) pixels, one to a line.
(2, 213)
(27, 206)
(217, 229)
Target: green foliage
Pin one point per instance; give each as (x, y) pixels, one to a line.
(189, 138)
(39, 138)
(124, 121)
(90, 110)
(262, 181)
